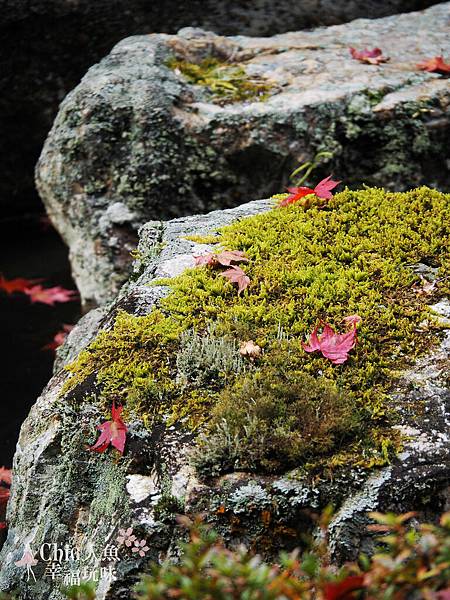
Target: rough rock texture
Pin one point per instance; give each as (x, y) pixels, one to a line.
(63, 494)
(47, 45)
(135, 141)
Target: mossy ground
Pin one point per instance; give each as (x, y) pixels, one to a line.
(288, 408)
(227, 82)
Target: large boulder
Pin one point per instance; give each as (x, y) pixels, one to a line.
(137, 141)
(254, 441)
(47, 46)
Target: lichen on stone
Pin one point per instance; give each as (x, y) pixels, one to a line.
(204, 358)
(290, 409)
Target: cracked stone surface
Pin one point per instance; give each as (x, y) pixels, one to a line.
(63, 494)
(135, 141)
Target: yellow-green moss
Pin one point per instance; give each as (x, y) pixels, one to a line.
(227, 82)
(355, 256)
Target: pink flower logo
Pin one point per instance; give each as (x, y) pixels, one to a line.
(140, 546)
(126, 537)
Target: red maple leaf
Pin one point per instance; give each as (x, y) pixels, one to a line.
(324, 187)
(50, 296)
(322, 190)
(443, 594)
(113, 432)
(237, 275)
(332, 345)
(16, 285)
(225, 258)
(344, 589)
(435, 65)
(59, 338)
(5, 475)
(372, 57)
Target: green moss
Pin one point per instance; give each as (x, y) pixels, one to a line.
(355, 256)
(279, 418)
(109, 497)
(227, 82)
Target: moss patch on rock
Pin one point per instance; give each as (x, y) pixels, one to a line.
(288, 408)
(227, 82)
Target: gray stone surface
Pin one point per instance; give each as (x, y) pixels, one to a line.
(47, 46)
(134, 141)
(62, 494)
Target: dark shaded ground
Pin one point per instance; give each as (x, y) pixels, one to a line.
(28, 250)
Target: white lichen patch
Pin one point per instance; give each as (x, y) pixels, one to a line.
(141, 487)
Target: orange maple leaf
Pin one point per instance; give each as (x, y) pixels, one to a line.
(434, 65)
(16, 285)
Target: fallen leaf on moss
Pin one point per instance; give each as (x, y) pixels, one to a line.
(371, 57)
(324, 187)
(332, 345)
(250, 349)
(16, 285)
(322, 190)
(225, 258)
(113, 432)
(50, 296)
(435, 65)
(237, 275)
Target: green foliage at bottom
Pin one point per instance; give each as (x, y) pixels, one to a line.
(411, 563)
(85, 591)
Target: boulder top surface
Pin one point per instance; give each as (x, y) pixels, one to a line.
(216, 431)
(137, 140)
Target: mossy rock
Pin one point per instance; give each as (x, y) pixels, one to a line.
(255, 445)
(170, 125)
(287, 409)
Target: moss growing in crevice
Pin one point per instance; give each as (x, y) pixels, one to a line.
(226, 82)
(354, 256)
